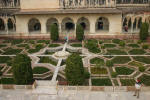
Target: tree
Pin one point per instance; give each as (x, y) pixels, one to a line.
(79, 33)
(22, 70)
(74, 70)
(54, 32)
(144, 31)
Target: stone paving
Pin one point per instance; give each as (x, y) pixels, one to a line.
(78, 95)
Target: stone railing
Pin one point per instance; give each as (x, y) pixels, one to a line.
(12, 86)
(86, 3)
(101, 88)
(9, 4)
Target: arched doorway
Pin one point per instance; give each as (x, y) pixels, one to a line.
(102, 24)
(84, 22)
(50, 22)
(2, 25)
(10, 25)
(67, 25)
(34, 25)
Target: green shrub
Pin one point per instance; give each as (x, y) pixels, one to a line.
(127, 82)
(116, 52)
(133, 45)
(43, 41)
(144, 31)
(145, 46)
(54, 32)
(117, 41)
(22, 70)
(97, 61)
(109, 45)
(136, 51)
(124, 70)
(5, 59)
(139, 41)
(10, 51)
(76, 45)
(121, 59)
(2, 45)
(145, 79)
(47, 60)
(101, 82)
(101, 42)
(1, 73)
(7, 81)
(143, 59)
(22, 45)
(98, 70)
(114, 74)
(102, 47)
(40, 70)
(109, 63)
(74, 70)
(79, 33)
(122, 43)
(141, 68)
(86, 75)
(18, 41)
(92, 46)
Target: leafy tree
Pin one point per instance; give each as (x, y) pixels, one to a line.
(54, 32)
(144, 31)
(22, 70)
(79, 33)
(74, 70)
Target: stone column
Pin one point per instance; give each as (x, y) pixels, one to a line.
(137, 20)
(60, 28)
(6, 25)
(43, 26)
(132, 21)
(92, 27)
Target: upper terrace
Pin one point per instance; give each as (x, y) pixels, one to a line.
(66, 4)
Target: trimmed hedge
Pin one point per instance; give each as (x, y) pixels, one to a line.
(145, 79)
(109, 45)
(117, 41)
(98, 70)
(54, 45)
(133, 45)
(121, 59)
(144, 31)
(116, 52)
(47, 60)
(124, 70)
(22, 70)
(101, 82)
(79, 33)
(76, 45)
(97, 61)
(137, 52)
(143, 59)
(54, 32)
(7, 81)
(127, 82)
(40, 70)
(10, 51)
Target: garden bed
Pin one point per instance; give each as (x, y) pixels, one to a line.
(47, 60)
(101, 82)
(40, 70)
(127, 82)
(98, 70)
(121, 59)
(124, 70)
(97, 61)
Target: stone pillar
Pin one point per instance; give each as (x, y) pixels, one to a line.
(137, 20)
(60, 28)
(92, 27)
(43, 26)
(6, 25)
(132, 21)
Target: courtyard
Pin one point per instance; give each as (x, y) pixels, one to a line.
(111, 62)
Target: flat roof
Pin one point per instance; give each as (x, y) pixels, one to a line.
(70, 11)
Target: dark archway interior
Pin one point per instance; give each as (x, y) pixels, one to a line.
(10, 24)
(37, 27)
(69, 26)
(2, 25)
(83, 25)
(100, 26)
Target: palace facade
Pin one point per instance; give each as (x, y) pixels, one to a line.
(97, 17)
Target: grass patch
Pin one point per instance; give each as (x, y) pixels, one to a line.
(76, 45)
(43, 41)
(97, 61)
(54, 45)
(101, 82)
(145, 79)
(143, 59)
(18, 41)
(121, 59)
(40, 70)
(117, 41)
(109, 45)
(127, 82)
(134, 45)
(136, 52)
(47, 60)
(124, 70)
(98, 70)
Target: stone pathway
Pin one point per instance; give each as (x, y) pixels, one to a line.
(69, 95)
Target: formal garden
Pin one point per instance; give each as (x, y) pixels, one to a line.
(109, 62)
(88, 62)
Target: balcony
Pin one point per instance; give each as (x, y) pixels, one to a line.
(132, 3)
(9, 4)
(86, 3)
